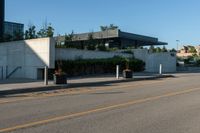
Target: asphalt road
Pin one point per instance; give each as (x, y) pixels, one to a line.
(169, 105)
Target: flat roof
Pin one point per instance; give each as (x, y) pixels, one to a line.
(13, 23)
(116, 33)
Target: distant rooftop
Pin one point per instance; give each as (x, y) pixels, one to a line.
(117, 34)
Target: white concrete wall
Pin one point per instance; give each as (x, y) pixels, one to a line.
(29, 55)
(168, 61)
(152, 60)
(141, 54)
(72, 54)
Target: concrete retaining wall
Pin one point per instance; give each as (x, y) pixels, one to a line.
(72, 54)
(29, 55)
(168, 61)
(152, 60)
(33, 55)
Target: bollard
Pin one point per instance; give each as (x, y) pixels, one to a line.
(117, 71)
(46, 75)
(2, 72)
(160, 72)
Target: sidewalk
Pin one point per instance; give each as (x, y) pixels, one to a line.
(16, 86)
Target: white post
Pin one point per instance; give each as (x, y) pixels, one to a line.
(160, 72)
(46, 75)
(117, 71)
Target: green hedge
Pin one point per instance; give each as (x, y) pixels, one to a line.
(98, 66)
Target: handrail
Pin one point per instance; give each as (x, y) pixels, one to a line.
(9, 75)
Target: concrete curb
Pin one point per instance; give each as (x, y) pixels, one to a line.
(76, 85)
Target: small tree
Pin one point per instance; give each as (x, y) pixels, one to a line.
(31, 32)
(158, 50)
(173, 50)
(91, 44)
(101, 47)
(192, 49)
(46, 31)
(50, 31)
(164, 49)
(103, 28)
(113, 27)
(152, 49)
(110, 27)
(68, 40)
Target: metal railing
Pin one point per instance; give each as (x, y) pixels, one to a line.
(10, 74)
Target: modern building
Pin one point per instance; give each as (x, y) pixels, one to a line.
(2, 8)
(11, 28)
(112, 38)
(8, 29)
(28, 58)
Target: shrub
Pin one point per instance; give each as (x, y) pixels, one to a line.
(90, 47)
(128, 52)
(101, 47)
(99, 66)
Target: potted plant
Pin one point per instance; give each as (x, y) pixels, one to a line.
(127, 73)
(59, 76)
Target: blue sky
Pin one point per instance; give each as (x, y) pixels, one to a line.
(169, 20)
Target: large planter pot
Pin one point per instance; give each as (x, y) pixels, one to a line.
(60, 79)
(128, 73)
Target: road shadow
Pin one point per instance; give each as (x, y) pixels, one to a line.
(77, 85)
(17, 81)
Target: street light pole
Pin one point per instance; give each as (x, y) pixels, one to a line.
(177, 41)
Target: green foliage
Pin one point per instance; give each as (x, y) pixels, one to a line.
(99, 66)
(69, 37)
(68, 40)
(198, 62)
(50, 31)
(158, 50)
(164, 49)
(46, 31)
(112, 49)
(128, 51)
(31, 32)
(152, 49)
(91, 43)
(110, 27)
(101, 47)
(191, 49)
(90, 47)
(173, 50)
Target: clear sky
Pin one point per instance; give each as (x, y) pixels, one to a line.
(169, 20)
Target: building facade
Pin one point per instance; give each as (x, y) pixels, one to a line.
(111, 38)
(2, 8)
(11, 29)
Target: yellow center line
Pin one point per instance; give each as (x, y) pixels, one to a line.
(101, 109)
(31, 97)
